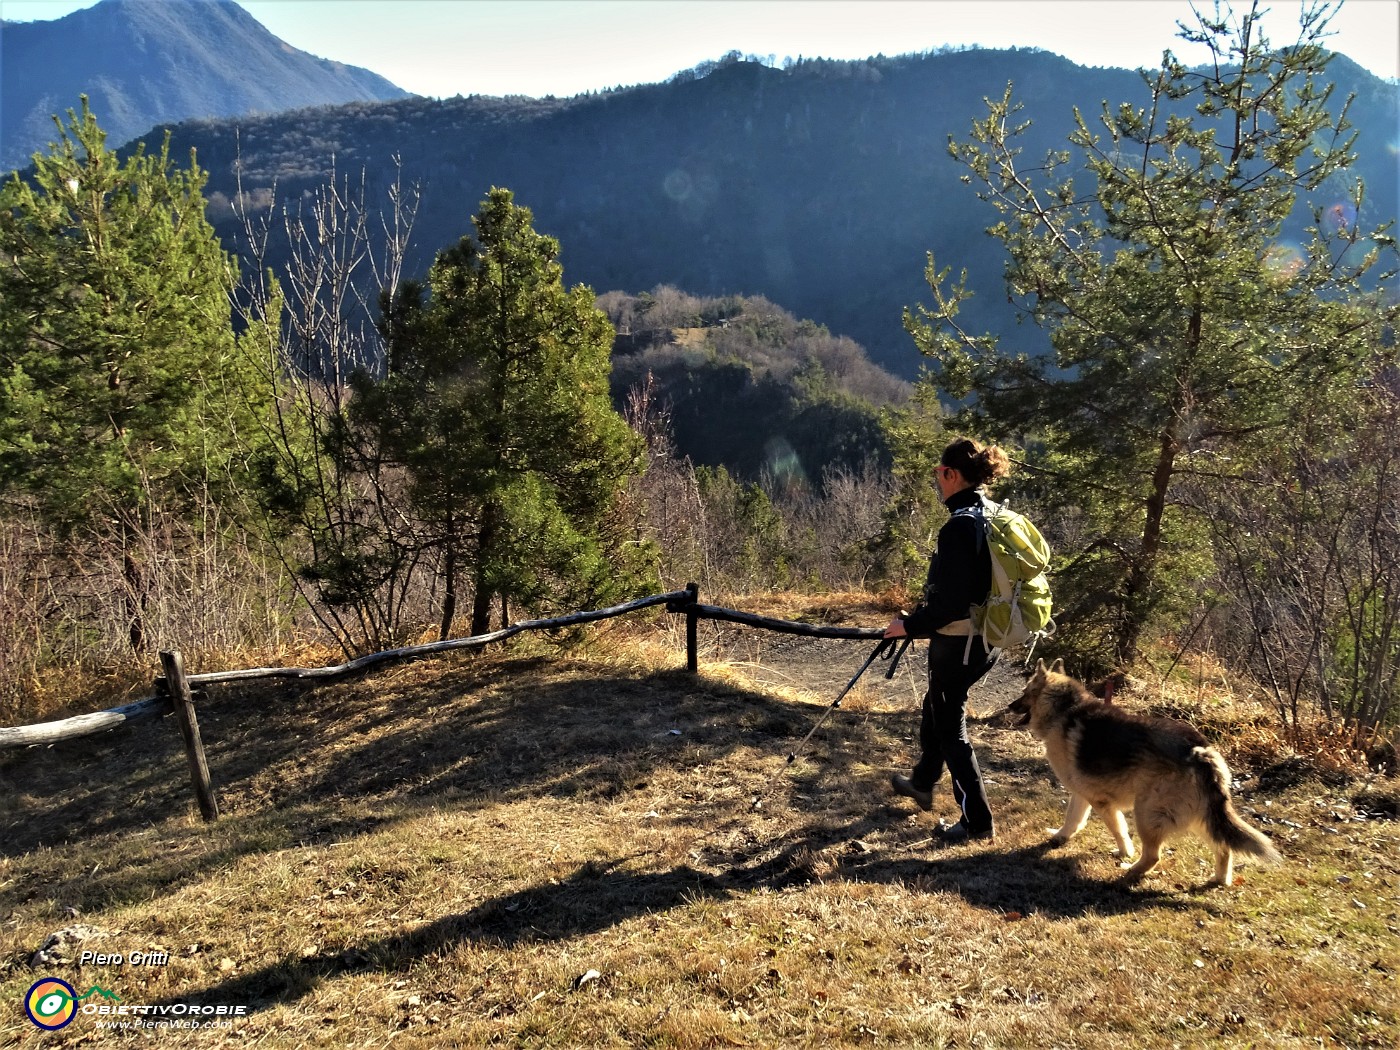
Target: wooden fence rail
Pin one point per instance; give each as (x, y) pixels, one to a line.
(173, 688)
(434, 648)
(84, 725)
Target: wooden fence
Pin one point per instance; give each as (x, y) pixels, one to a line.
(174, 688)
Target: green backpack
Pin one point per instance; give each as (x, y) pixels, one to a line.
(1018, 608)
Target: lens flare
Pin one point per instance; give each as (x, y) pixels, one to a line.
(1283, 261)
(783, 462)
(1339, 217)
(693, 193)
(678, 184)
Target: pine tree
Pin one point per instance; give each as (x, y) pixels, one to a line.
(495, 403)
(914, 512)
(121, 385)
(1186, 326)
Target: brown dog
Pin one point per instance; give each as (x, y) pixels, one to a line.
(1112, 760)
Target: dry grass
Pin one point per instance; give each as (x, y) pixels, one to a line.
(599, 850)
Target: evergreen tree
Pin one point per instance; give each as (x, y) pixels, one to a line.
(495, 403)
(121, 386)
(1186, 327)
(914, 512)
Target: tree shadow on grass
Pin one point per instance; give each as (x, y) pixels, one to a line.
(302, 766)
(472, 739)
(286, 746)
(602, 895)
(305, 766)
(596, 897)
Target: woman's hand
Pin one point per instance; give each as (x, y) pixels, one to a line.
(896, 628)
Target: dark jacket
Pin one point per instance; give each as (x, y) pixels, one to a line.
(959, 573)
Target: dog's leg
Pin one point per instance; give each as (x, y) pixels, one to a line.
(1118, 827)
(1076, 816)
(1152, 839)
(1224, 866)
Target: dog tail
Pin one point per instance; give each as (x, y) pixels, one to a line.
(1223, 824)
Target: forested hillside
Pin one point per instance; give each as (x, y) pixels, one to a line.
(746, 385)
(819, 187)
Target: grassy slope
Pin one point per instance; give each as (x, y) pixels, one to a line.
(441, 852)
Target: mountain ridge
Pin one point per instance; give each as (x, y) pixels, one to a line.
(821, 187)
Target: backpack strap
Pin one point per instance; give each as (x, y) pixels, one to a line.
(978, 512)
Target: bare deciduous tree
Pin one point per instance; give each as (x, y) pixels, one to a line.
(317, 313)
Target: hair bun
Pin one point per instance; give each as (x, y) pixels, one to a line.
(978, 464)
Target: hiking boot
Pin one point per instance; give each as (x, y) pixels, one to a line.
(902, 785)
(957, 834)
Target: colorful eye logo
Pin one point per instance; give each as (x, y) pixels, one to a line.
(51, 1003)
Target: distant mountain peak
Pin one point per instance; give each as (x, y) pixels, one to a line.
(148, 62)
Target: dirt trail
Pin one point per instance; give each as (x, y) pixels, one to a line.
(823, 666)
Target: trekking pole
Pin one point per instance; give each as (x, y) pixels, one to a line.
(888, 649)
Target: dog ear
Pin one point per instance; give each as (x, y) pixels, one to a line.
(1058, 666)
(1040, 667)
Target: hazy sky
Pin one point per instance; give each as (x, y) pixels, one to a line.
(563, 47)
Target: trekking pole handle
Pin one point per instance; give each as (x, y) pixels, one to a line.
(895, 656)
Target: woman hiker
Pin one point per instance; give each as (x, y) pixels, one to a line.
(959, 576)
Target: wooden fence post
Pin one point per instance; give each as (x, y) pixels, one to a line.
(182, 701)
(692, 659)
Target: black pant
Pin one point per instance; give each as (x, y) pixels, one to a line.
(943, 727)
